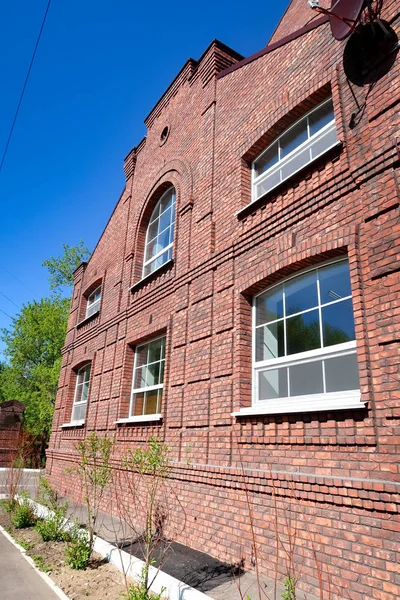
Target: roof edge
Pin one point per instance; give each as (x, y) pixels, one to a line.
(274, 46)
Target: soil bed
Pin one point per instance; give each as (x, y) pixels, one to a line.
(197, 569)
(100, 581)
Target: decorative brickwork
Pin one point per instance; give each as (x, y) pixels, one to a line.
(337, 470)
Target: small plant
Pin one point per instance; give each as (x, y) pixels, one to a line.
(95, 473)
(24, 514)
(290, 588)
(39, 562)
(78, 551)
(25, 544)
(140, 591)
(52, 527)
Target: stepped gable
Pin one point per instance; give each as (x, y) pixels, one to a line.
(216, 58)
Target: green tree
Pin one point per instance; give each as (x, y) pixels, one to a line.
(62, 267)
(33, 350)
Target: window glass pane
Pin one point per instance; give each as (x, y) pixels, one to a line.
(84, 392)
(140, 378)
(323, 143)
(269, 306)
(152, 230)
(138, 402)
(86, 373)
(296, 162)
(141, 355)
(293, 138)
(153, 373)
(167, 200)
(155, 350)
(159, 400)
(78, 413)
(150, 407)
(272, 384)
(303, 332)
(162, 241)
(306, 379)
(267, 160)
(270, 341)
(334, 282)
(301, 293)
(338, 323)
(320, 117)
(165, 220)
(268, 183)
(341, 373)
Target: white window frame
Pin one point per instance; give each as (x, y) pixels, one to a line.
(160, 386)
(312, 139)
(93, 302)
(79, 392)
(349, 399)
(168, 248)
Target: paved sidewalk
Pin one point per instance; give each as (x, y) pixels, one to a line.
(18, 580)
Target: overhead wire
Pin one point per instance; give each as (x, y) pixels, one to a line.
(24, 86)
(10, 300)
(17, 279)
(7, 315)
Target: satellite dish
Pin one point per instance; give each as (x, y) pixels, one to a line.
(370, 53)
(346, 15)
(343, 17)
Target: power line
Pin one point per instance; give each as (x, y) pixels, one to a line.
(7, 315)
(9, 299)
(18, 279)
(24, 86)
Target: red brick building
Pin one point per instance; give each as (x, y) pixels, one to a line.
(242, 304)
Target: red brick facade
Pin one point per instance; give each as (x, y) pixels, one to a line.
(337, 470)
(11, 413)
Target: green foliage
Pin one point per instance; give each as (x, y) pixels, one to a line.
(39, 562)
(153, 460)
(33, 349)
(25, 544)
(139, 590)
(95, 473)
(78, 551)
(24, 514)
(61, 267)
(51, 529)
(152, 465)
(290, 588)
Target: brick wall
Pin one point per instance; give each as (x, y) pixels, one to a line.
(337, 471)
(10, 425)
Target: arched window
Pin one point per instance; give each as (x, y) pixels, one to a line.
(160, 233)
(302, 143)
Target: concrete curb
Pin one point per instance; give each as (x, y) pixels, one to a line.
(58, 591)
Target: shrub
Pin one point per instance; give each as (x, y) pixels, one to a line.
(24, 514)
(51, 528)
(77, 553)
(140, 591)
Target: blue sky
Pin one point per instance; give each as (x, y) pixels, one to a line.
(99, 69)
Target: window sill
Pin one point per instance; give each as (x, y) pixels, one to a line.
(139, 419)
(87, 319)
(73, 424)
(165, 267)
(319, 404)
(255, 204)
